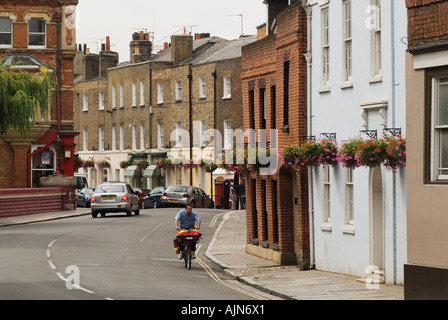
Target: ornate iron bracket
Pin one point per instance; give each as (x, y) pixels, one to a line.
(330, 136)
(396, 132)
(370, 133)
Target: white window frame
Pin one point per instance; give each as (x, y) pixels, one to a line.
(85, 140)
(202, 133)
(101, 100)
(134, 94)
(10, 33)
(228, 134)
(160, 136)
(178, 93)
(101, 139)
(325, 43)
(121, 96)
(326, 198)
(142, 137)
(114, 97)
(347, 40)
(134, 137)
(159, 93)
(142, 93)
(121, 138)
(376, 43)
(85, 102)
(349, 201)
(437, 130)
(43, 46)
(178, 135)
(202, 88)
(227, 87)
(114, 138)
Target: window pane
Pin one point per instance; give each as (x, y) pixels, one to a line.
(37, 40)
(5, 25)
(5, 39)
(443, 102)
(37, 26)
(444, 152)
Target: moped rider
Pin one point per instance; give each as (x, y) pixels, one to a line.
(187, 219)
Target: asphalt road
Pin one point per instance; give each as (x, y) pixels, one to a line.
(115, 257)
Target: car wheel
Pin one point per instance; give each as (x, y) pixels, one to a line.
(94, 214)
(128, 212)
(103, 214)
(137, 212)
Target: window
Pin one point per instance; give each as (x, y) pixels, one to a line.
(178, 135)
(227, 88)
(85, 102)
(252, 108)
(134, 137)
(376, 62)
(101, 139)
(142, 137)
(178, 90)
(273, 107)
(134, 94)
(85, 140)
(286, 93)
(228, 134)
(114, 138)
(121, 138)
(5, 32)
(101, 100)
(160, 93)
(326, 218)
(347, 33)
(142, 93)
(325, 47)
(349, 197)
(263, 108)
(202, 88)
(114, 97)
(160, 135)
(439, 129)
(121, 96)
(37, 32)
(202, 133)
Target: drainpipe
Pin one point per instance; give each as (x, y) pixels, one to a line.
(394, 175)
(309, 58)
(58, 18)
(190, 124)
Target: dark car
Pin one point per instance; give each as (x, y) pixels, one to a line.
(178, 195)
(153, 200)
(141, 193)
(83, 197)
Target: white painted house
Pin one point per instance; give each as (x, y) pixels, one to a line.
(356, 81)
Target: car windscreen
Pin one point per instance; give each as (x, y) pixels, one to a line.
(157, 191)
(177, 189)
(109, 188)
(88, 192)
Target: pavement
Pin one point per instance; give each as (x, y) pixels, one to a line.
(227, 249)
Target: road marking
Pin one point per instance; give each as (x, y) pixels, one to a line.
(142, 239)
(222, 282)
(215, 218)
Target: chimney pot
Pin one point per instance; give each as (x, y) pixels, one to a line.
(107, 43)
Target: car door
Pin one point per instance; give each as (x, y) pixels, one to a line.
(205, 198)
(135, 199)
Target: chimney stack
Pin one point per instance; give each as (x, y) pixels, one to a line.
(108, 59)
(181, 48)
(140, 47)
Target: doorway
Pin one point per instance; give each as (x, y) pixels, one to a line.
(376, 219)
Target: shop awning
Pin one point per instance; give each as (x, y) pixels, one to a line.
(132, 172)
(152, 171)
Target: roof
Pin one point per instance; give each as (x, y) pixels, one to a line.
(24, 61)
(228, 50)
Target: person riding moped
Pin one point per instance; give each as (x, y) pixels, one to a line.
(187, 219)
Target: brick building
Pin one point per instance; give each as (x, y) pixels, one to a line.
(274, 97)
(34, 34)
(427, 104)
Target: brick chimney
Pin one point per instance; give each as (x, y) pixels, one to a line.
(108, 58)
(141, 47)
(181, 48)
(274, 7)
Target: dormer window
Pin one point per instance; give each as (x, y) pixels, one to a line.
(5, 32)
(37, 32)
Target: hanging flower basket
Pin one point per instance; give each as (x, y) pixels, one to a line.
(89, 163)
(103, 164)
(348, 153)
(166, 164)
(328, 152)
(396, 153)
(79, 163)
(142, 164)
(372, 153)
(125, 163)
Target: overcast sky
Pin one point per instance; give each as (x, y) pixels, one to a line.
(119, 19)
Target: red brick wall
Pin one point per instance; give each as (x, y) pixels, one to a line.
(17, 202)
(427, 22)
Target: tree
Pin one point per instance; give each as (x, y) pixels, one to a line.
(21, 93)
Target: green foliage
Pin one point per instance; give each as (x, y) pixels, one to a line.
(21, 92)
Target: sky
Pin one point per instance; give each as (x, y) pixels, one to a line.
(119, 19)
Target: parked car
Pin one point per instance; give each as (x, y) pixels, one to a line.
(83, 197)
(141, 193)
(179, 195)
(152, 200)
(114, 197)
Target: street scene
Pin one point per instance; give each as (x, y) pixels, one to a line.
(243, 155)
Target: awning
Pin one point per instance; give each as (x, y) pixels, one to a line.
(132, 172)
(220, 172)
(152, 171)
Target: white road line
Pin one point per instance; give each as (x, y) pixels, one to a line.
(142, 239)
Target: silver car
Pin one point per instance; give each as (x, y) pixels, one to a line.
(178, 195)
(114, 197)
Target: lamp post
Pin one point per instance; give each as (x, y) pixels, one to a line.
(57, 143)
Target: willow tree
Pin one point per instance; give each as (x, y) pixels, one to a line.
(21, 92)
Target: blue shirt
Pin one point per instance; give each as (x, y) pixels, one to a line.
(185, 221)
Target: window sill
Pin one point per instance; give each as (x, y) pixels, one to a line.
(134, 106)
(348, 229)
(325, 226)
(85, 110)
(226, 98)
(159, 103)
(324, 89)
(347, 85)
(375, 79)
(142, 105)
